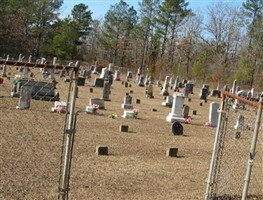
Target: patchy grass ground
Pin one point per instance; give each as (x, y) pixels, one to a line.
(137, 166)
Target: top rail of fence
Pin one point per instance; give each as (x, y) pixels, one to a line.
(241, 99)
(38, 65)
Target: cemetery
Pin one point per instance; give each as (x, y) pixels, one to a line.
(129, 145)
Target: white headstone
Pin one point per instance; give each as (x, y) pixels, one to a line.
(164, 90)
(59, 106)
(177, 107)
(111, 67)
(213, 114)
(167, 79)
(234, 87)
(128, 114)
(104, 73)
(117, 75)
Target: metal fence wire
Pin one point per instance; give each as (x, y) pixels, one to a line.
(34, 107)
(236, 170)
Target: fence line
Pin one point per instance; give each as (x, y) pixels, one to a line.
(235, 145)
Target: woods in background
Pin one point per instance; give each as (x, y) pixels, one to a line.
(162, 37)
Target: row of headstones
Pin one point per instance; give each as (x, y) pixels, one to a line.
(46, 73)
(180, 111)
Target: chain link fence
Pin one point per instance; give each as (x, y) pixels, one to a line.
(238, 147)
(34, 99)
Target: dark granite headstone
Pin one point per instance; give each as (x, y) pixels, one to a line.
(177, 128)
(81, 81)
(99, 82)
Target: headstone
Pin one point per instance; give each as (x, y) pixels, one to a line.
(129, 76)
(117, 75)
(106, 91)
(190, 86)
(164, 90)
(99, 82)
(150, 91)
(25, 72)
(127, 102)
(167, 79)
(146, 82)
(67, 79)
(141, 81)
(203, 93)
(240, 123)
(180, 85)
(87, 73)
(59, 106)
(234, 87)
(139, 73)
(111, 67)
(206, 86)
(188, 89)
(81, 81)
(216, 93)
(168, 101)
(4, 68)
(176, 113)
(171, 81)
(95, 69)
(172, 152)
(102, 150)
(237, 103)
(213, 114)
(185, 111)
(158, 84)
(110, 78)
(104, 73)
(124, 128)
(25, 97)
(128, 114)
(176, 83)
(97, 101)
(177, 128)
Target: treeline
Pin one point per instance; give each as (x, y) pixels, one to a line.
(161, 37)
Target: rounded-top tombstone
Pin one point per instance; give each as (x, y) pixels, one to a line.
(177, 128)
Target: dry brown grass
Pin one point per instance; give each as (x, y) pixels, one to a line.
(137, 166)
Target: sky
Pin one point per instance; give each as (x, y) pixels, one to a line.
(100, 7)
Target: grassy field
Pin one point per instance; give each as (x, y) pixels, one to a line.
(137, 166)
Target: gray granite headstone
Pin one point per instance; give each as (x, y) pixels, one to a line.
(106, 91)
(213, 114)
(97, 101)
(127, 102)
(25, 97)
(185, 111)
(150, 91)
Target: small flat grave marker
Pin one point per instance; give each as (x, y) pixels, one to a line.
(172, 152)
(102, 150)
